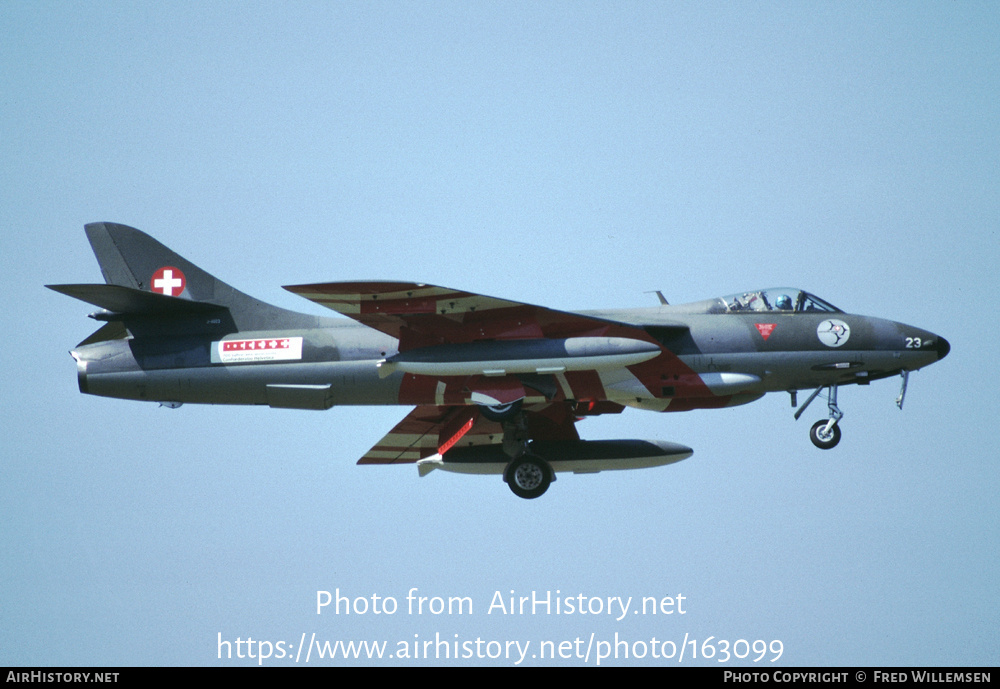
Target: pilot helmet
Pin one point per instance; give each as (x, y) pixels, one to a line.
(784, 302)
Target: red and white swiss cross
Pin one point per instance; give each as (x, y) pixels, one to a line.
(168, 280)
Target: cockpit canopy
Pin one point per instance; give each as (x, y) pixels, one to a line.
(777, 299)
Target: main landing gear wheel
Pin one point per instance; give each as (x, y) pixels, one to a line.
(823, 439)
(528, 476)
(501, 412)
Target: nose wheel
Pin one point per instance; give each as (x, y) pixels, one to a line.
(825, 433)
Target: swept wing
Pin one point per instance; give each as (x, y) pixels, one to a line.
(431, 430)
(421, 315)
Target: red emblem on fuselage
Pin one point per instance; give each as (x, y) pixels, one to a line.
(765, 329)
(168, 280)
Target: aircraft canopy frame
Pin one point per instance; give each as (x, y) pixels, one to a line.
(778, 300)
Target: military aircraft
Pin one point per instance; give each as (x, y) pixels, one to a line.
(497, 386)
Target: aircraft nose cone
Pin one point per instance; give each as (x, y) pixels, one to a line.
(942, 348)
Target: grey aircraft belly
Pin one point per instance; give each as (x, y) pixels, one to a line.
(496, 386)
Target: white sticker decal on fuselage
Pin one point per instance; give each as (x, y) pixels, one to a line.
(257, 350)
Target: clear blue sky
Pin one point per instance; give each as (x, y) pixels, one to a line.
(574, 155)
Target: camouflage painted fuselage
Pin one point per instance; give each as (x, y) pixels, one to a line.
(496, 386)
(714, 360)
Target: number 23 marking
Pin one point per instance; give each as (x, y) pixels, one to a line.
(913, 343)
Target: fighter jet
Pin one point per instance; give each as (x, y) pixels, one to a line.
(497, 386)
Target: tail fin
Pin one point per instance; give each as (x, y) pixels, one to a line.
(146, 281)
(131, 258)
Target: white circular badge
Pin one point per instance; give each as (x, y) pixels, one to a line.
(833, 332)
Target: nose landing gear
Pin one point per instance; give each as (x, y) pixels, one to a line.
(825, 434)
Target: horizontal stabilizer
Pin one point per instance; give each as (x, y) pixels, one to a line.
(129, 301)
(108, 331)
